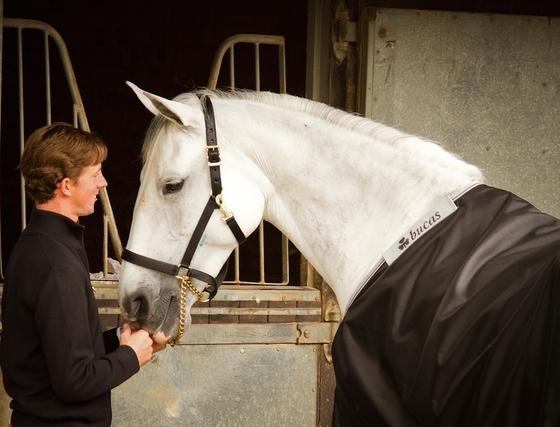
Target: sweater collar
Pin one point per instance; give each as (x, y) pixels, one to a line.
(47, 222)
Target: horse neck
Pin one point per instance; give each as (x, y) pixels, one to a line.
(343, 197)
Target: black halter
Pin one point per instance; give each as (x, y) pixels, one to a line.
(215, 202)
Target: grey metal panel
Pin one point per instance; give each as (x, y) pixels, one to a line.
(222, 385)
(486, 86)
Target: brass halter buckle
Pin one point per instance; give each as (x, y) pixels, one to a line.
(226, 215)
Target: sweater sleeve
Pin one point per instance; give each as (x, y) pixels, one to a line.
(111, 340)
(79, 366)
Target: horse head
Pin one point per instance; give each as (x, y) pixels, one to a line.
(172, 254)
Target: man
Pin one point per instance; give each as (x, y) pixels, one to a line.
(57, 365)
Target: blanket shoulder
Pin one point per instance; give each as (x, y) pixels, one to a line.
(459, 330)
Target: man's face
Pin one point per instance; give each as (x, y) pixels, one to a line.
(85, 190)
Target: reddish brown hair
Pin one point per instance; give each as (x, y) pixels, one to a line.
(55, 152)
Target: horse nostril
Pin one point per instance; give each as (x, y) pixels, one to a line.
(139, 309)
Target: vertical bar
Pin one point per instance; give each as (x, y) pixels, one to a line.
(285, 261)
(366, 104)
(232, 68)
(75, 115)
(236, 262)
(21, 123)
(1, 67)
(105, 245)
(318, 49)
(48, 79)
(257, 68)
(282, 67)
(261, 252)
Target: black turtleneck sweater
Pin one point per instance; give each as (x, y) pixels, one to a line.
(55, 364)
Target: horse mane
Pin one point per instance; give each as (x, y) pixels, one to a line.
(325, 112)
(413, 145)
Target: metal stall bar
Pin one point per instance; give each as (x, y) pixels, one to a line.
(21, 120)
(79, 114)
(256, 39)
(1, 62)
(229, 44)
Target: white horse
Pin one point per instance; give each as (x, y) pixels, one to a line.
(351, 194)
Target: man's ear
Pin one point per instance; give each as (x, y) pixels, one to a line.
(64, 186)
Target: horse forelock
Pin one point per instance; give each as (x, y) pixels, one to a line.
(157, 125)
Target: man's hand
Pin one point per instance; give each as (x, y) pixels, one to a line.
(156, 346)
(140, 341)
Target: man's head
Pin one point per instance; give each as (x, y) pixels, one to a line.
(55, 152)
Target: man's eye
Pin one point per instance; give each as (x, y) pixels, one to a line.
(172, 187)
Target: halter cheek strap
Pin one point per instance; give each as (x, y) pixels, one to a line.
(183, 270)
(214, 163)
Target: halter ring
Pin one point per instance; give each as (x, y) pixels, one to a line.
(186, 282)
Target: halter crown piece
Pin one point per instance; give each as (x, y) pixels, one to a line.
(183, 271)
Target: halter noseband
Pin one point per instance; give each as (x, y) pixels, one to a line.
(183, 271)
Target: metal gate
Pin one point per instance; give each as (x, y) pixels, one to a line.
(75, 114)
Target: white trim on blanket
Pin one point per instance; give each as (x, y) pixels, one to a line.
(433, 217)
(442, 210)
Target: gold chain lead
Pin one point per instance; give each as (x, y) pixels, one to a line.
(183, 309)
(185, 284)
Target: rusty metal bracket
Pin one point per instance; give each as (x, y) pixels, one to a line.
(344, 32)
(316, 333)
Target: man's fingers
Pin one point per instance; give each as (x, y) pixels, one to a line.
(125, 330)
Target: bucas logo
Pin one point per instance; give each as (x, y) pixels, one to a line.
(403, 243)
(421, 229)
(434, 216)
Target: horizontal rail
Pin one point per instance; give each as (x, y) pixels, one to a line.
(236, 311)
(107, 291)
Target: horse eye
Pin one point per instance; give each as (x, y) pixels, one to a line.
(172, 187)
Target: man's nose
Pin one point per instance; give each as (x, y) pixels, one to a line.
(102, 182)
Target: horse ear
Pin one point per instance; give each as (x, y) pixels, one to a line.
(172, 110)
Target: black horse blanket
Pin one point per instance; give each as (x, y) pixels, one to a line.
(462, 329)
